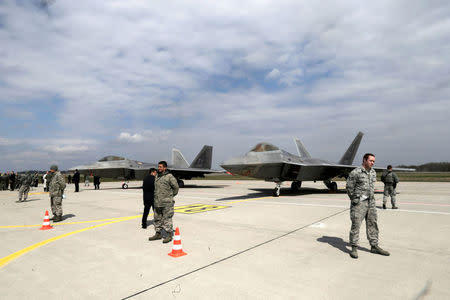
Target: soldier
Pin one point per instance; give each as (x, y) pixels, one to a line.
(48, 179)
(6, 175)
(12, 180)
(2, 181)
(360, 189)
(148, 188)
(390, 181)
(76, 180)
(25, 184)
(166, 187)
(56, 191)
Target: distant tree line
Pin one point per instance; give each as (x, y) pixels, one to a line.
(430, 167)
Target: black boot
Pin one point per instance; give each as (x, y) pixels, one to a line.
(157, 236)
(377, 250)
(354, 253)
(384, 206)
(57, 219)
(394, 207)
(168, 237)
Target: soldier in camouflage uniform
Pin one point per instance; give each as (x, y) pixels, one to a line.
(25, 184)
(390, 181)
(360, 189)
(56, 191)
(166, 187)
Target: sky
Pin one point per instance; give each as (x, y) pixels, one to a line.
(80, 80)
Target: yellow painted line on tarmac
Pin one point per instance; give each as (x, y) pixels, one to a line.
(68, 223)
(7, 259)
(37, 193)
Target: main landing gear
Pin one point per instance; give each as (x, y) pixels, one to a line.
(180, 183)
(295, 186)
(331, 185)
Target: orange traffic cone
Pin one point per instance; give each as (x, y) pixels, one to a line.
(46, 225)
(177, 249)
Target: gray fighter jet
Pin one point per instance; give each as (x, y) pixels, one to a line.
(127, 169)
(270, 163)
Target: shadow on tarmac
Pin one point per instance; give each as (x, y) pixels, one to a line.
(194, 186)
(284, 192)
(339, 243)
(67, 216)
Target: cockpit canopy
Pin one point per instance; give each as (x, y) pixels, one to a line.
(111, 158)
(263, 147)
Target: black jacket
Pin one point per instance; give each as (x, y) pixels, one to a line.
(148, 186)
(76, 177)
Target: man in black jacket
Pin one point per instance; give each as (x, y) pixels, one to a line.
(148, 187)
(76, 180)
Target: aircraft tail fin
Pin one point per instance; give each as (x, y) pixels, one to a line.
(349, 155)
(302, 152)
(203, 159)
(178, 160)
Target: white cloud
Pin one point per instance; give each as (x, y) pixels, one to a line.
(127, 137)
(274, 74)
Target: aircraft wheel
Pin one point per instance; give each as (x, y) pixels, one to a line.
(181, 183)
(333, 186)
(295, 186)
(276, 192)
(124, 186)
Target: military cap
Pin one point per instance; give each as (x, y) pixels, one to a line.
(54, 168)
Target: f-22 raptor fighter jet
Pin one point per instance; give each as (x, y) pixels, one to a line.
(123, 168)
(270, 163)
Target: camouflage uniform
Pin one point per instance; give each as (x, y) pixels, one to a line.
(25, 183)
(390, 181)
(166, 187)
(360, 189)
(56, 190)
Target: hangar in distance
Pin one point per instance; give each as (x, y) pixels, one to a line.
(127, 169)
(268, 162)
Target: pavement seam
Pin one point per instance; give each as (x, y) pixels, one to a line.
(235, 254)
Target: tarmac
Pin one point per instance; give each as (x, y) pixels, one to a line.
(241, 243)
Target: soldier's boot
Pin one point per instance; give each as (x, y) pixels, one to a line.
(168, 237)
(57, 219)
(354, 252)
(384, 206)
(157, 236)
(394, 207)
(377, 250)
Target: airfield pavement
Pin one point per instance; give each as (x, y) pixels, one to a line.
(255, 247)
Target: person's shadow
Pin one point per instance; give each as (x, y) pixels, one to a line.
(67, 216)
(339, 243)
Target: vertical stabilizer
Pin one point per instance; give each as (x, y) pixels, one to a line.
(203, 159)
(302, 152)
(178, 160)
(349, 155)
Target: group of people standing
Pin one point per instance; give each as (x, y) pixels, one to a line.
(159, 188)
(8, 181)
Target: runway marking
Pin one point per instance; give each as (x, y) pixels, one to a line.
(7, 259)
(343, 206)
(37, 193)
(197, 208)
(67, 223)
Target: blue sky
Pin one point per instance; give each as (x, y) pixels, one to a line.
(80, 80)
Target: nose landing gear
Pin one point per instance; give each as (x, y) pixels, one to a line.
(276, 191)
